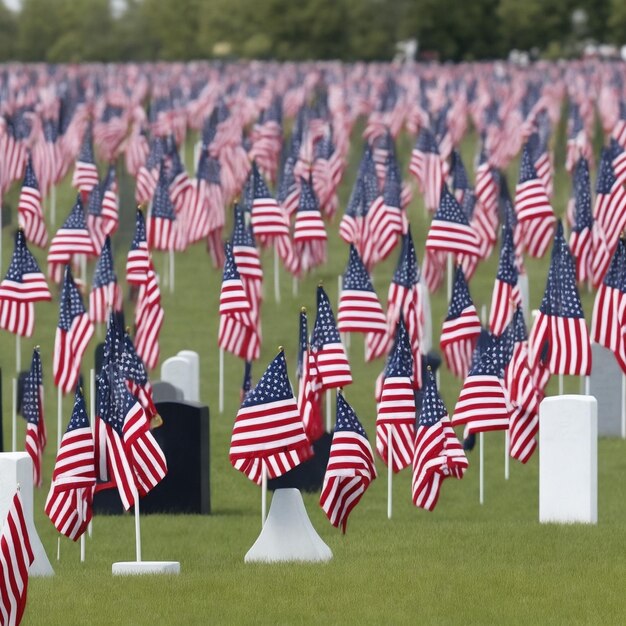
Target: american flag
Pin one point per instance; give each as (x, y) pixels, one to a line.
(607, 324)
(332, 362)
(486, 190)
(136, 376)
(450, 230)
(309, 231)
(561, 322)
(16, 557)
(71, 239)
(105, 292)
(138, 259)
(162, 217)
(30, 213)
(461, 328)
(395, 412)
(238, 331)
(102, 210)
(359, 310)
(534, 213)
(288, 195)
(580, 238)
(268, 431)
(148, 319)
(350, 468)
(70, 499)
(85, 176)
(505, 289)
(618, 160)
(23, 285)
(428, 168)
(438, 453)
(348, 227)
(32, 409)
(460, 181)
(268, 219)
(371, 202)
(524, 423)
(134, 457)
(619, 129)
(72, 336)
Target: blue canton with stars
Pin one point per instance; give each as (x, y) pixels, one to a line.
(606, 175)
(79, 417)
(287, 180)
(502, 348)
(347, 421)
(86, 149)
(109, 179)
(94, 204)
(459, 173)
(369, 181)
(242, 232)
(273, 386)
(433, 408)
(507, 270)
(30, 399)
(426, 142)
(308, 199)
(468, 203)
(130, 363)
(582, 196)
(507, 209)
(325, 330)
(260, 186)
(76, 219)
(30, 180)
(230, 267)
(461, 298)
(140, 230)
(104, 274)
(519, 326)
(356, 276)
(449, 209)
(162, 203)
(400, 362)
(527, 169)
(392, 190)
(483, 344)
(303, 341)
(407, 272)
(616, 274)
(71, 305)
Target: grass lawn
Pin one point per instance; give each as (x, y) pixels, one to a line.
(463, 563)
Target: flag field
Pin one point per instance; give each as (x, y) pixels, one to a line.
(461, 563)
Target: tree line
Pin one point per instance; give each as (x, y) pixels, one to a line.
(143, 30)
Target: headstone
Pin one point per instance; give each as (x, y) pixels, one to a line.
(288, 534)
(138, 568)
(184, 439)
(568, 459)
(166, 392)
(17, 468)
(194, 360)
(179, 371)
(605, 384)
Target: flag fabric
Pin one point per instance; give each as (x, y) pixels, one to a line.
(237, 331)
(32, 410)
(461, 328)
(438, 454)
(359, 309)
(71, 239)
(149, 316)
(561, 323)
(581, 236)
(70, 499)
(138, 259)
(23, 285)
(505, 289)
(268, 432)
(268, 219)
(534, 212)
(309, 235)
(332, 362)
(105, 292)
(30, 213)
(428, 168)
(350, 468)
(161, 225)
(16, 557)
(134, 371)
(85, 176)
(395, 413)
(73, 333)
(450, 231)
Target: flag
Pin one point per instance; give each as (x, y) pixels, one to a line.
(505, 289)
(268, 431)
(30, 213)
(350, 468)
(238, 333)
(23, 285)
(105, 292)
(427, 166)
(461, 328)
(268, 219)
(359, 310)
(581, 237)
(450, 231)
(69, 502)
(32, 410)
(309, 231)
(396, 410)
(16, 557)
(73, 333)
(148, 320)
(161, 226)
(138, 260)
(534, 213)
(136, 375)
(85, 176)
(332, 362)
(71, 239)
(486, 190)
(561, 322)
(438, 453)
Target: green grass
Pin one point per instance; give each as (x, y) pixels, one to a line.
(462, 563)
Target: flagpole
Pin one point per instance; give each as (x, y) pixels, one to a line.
(623, 406)
(450, 271)
(328, 410)
(92, 412)
(171, 269)
(221, 382)
(263, 491)
(59, 411)
(137, 527)
(481, 472)
(507, 445)
(14, 416)
(276, 276)
(389, 470)
(82, 548)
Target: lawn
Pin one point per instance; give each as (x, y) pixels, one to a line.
(462, 563)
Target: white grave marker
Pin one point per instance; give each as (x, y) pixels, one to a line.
(177, 370)
(194, 361)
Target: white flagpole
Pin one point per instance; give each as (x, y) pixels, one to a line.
(623, 406)
(171, 270)
(18, 354)
(560, 384)
(263, 492)
(82, 548)
(389, 471)
(14, 416)
(276, 276)
(59, 417)
(92, 414)
(221, 382)
(481, 472)
(450, 271)
(328, 410)
(507, 444)
(137, 527)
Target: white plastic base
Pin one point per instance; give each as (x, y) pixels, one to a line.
(137, 568)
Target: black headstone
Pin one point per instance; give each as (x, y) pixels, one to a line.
(184, 439)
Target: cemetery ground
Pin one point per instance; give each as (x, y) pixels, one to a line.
(461, 563)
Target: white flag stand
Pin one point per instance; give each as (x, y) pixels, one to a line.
(329, 419)
(389, 472)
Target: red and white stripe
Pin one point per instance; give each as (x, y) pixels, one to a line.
(30, 216)
(69, 348)
(332, 366)
(360, 311)
(458, 340)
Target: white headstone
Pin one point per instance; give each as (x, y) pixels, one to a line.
(605, 383)
(138, 568)
(178, 371)
(17, 468)
(288, 534)
(568, 459)
(194, 360)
